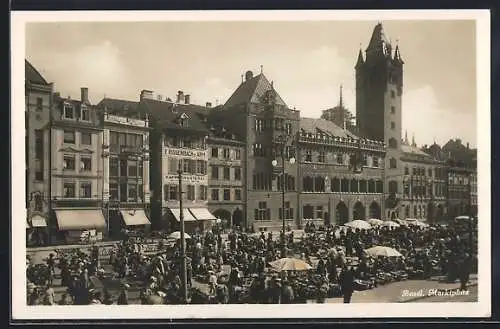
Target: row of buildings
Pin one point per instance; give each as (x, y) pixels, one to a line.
(117, 163)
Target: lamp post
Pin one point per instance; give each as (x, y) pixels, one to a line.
(183, 241)
(282, 141)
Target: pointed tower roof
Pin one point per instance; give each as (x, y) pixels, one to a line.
(360, 60)
(252, 90)
(406, 137)
(397, 55)
(413, 141)
(378, 38)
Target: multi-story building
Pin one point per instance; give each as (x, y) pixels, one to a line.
(379, 90)
(462, 178)
(257, 111)
(38, 95)
(126, 165)
(424, 184)
(178, 147)
(76, 178)
(341, 174)
(226, 176)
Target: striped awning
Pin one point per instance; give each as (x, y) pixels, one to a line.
(82, 219)
(202, 214)
(134, 217)
(38, 221)
(188, 217)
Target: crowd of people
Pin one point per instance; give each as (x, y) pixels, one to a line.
(237, 269)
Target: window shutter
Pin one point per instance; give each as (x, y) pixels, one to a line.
(280, 213)
(268, 214)
(256, 214)
(290, 213)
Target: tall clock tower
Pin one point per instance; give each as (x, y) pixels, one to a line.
(379, 90)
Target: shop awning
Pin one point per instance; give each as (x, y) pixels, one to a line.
(135, 217)
(185, 212)
(202, 214)
(38, 221)
(79, 220)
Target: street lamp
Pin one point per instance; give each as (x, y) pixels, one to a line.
(282, 143)
(183, 241)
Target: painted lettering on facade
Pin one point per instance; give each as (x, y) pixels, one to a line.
(196, 179)
(186, 153)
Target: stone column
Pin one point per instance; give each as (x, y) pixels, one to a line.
(328, 187)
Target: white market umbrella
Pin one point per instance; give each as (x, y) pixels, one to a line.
(177, 235)
(390, 224)
(383, 251)
(375, 221)
(290, 264)
(361, 224)
(398, 221)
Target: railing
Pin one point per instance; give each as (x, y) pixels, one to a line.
(345, 142)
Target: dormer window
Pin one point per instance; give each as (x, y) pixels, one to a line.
(84, 113)
(184, 120)
(68, 111)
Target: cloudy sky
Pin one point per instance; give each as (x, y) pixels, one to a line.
(306, 60)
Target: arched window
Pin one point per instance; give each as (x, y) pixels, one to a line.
(335, 184)
(362, 186)
(344, 185)
(319, 184)
(371, 186)
(392, 163)
(379, 187)
(307, 184)
(354, 185)
(393, 144)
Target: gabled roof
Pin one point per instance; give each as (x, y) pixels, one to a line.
(166, 114)
(408, 149)
(252, 91)
(310, 125)
(32, 75)
(118, 105)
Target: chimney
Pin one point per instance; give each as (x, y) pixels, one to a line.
(187, 99)
(208, 104)
(146, 94)
(180, 96)
(84, 95)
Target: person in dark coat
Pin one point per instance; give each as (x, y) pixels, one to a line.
(347, 284)
(123, 297)
(465, 270)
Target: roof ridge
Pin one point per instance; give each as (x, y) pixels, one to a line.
(35, 70)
